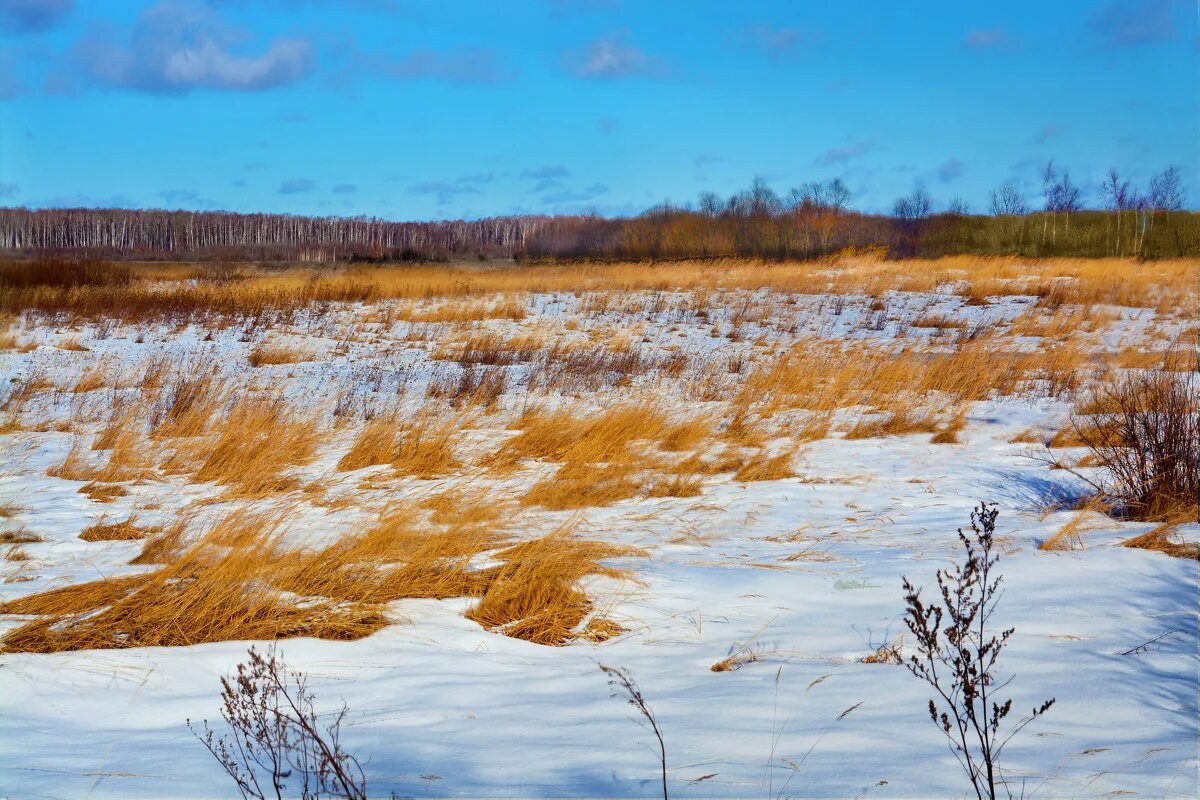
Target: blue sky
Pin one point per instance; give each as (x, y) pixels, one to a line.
(411, 110)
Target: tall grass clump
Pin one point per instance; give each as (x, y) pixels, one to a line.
(1144, 432)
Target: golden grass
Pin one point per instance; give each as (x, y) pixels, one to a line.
(238, 581)
(393, 559)
(492, 348)
(122, 464)
(454, 311)
(948, 433)
(115, 531)
(897, 423)
(94, 377)
(535, 594)
(213, 592)
(103, 492)
(561, 436)
(577, 485)
(73, 344)
(189, 404)
(269, 353)
(676, 486)
(455, 294)
(763, 467)
(1092, 516)
(256, 443)
(1163, 538)
(423, 449)
(776, 384)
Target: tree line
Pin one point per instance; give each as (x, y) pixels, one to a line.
(261, 237)
(816, 219)
(810, 221)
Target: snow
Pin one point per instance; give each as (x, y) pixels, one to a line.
(805, 572)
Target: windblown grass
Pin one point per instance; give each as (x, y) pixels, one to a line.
(535, 595)
(114, 531)
(214, 592)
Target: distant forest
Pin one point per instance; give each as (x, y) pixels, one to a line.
(812, 221)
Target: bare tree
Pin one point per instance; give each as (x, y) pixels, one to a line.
(914, 207)
(1049, 182)
(276, 744)
(1006, 201)
(1166, 190)
(958, 207)
(957, 655)
(1118, 195)
(837, 195)
(710, 204)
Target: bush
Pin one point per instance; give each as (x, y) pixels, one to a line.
(1145, 432)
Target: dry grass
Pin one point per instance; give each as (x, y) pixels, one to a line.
(687, 434)
(897, 423)
(269, 353)
(258, 441)
(213, 592)
(188, 405)
(238, 581)
(676, 486)
(422, 449)
(73, 344)
(535, 595)
(948, 433)
(19, 536)
(576, 485)
(453, 294)
(762, 467)
(103, 492)
(561, 436)
(125, 531)
(1163, 538)
(393, 559)
(1092, 516)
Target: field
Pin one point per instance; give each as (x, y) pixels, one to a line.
(452, 492)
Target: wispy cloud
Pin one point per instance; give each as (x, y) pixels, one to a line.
(774, 42)
(9, 191)
(581, 196)
(476, 178)
(951, 170)
(1129, 23)
(1047, 132)
(994, 39)
(176, 47)
(345, 188)
(296, 186)
(186, 198)
(705, 159)
(547, 172)
(840, 155)
(611, 57)
(32, 16)
(444, 191)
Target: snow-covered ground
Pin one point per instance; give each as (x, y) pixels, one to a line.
(803, 572)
